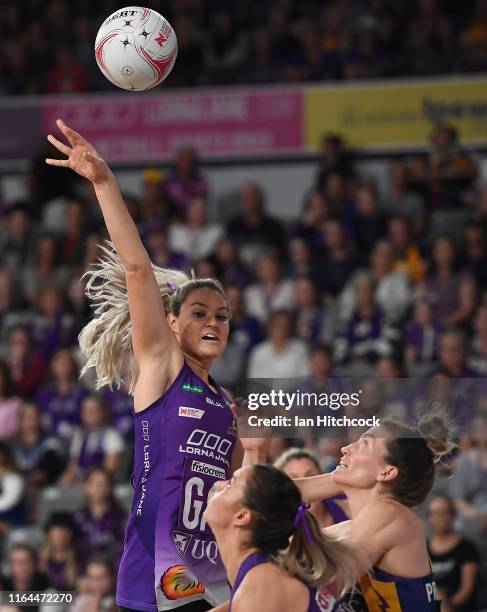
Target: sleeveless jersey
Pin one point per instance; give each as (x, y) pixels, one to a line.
(320, 600)
(183, 445)
(383, 591)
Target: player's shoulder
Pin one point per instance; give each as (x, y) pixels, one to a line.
(385, 512)
(266, 582)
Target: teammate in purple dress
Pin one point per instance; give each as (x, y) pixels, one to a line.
(276, 555)
(160, 331)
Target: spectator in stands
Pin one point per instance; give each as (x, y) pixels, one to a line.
(245, 328)
(120, 404)
(392, 291)
(454, 559)
(429, 35)
(94, 443)
(39, 456)
(476, 253)
(12, 491)
(185, 181)
(453, 355)
(98, 588)
(58, 555)
(253, 230)
(52, 327)
(43, 269)
(14, 244)
(27, 368)
(422, 335)
(366, 58)
(66, 74)
(473, 40)
(156, 241)
(477, 360)
(308, 316)
(446, 172)
(334, 158)
(308, 226)
(154, 203)
(367, 335)
(73, 238)
(101, 522)
(60, 400)
(450, 287)
(225, 49)
(271, 292)
(23, 574)
(188, 70)
(231, 269)
(10, 405)
(407, 255)
(282, 355)
(303, 463)
(195, 237)
(76, 302)
(467, 485)
(402, 202)
(368, 224)
(339, 262)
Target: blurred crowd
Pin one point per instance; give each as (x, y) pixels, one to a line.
(47, 47)
(388, 283)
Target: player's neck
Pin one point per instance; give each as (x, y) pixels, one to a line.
(359, 498)
(199, 368)
(233, 554)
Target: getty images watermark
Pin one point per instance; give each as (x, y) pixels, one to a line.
(304, 400)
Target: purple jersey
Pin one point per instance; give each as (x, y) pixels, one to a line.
(320, 600)
(183, 445)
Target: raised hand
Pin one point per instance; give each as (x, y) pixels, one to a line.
(82, 156)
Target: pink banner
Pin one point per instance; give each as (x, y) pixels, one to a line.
(220, 123)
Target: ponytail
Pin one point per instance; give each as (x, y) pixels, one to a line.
(106, 341)
(321, 559)
(292, 537)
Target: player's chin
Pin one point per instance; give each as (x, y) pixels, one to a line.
(210, 349)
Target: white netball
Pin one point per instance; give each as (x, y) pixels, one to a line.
(136, 48)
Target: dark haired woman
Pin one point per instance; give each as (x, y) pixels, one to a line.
(384, 474)
(454, 558)
(160, 331)
(274, 551)
(303, 463)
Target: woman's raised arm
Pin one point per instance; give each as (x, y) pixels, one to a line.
(152, 340)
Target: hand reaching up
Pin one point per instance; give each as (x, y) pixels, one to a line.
(82, 156)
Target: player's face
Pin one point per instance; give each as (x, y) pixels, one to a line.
(300, 468)
(202, 326)
(362, 464)
(225, 500)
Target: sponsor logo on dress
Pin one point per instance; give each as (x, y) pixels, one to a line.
(205, 444)
(192, 413)
(181, 541)
(192, 388)
(178, 582)
(209, 470)
(213, 402)
(325, 600)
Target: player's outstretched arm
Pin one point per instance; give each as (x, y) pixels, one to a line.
(315, 488)
(152, 338)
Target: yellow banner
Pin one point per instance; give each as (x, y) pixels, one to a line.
(396, 115)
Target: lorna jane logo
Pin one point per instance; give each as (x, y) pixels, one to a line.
(192, 388)
(205, 444)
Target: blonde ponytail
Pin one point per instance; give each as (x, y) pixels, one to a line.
(106, 341)
(321, 559)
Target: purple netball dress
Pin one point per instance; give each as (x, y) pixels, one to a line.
(183, 445)
(320, 600)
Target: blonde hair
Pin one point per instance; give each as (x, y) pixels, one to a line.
(275, 500)
(106, 341)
